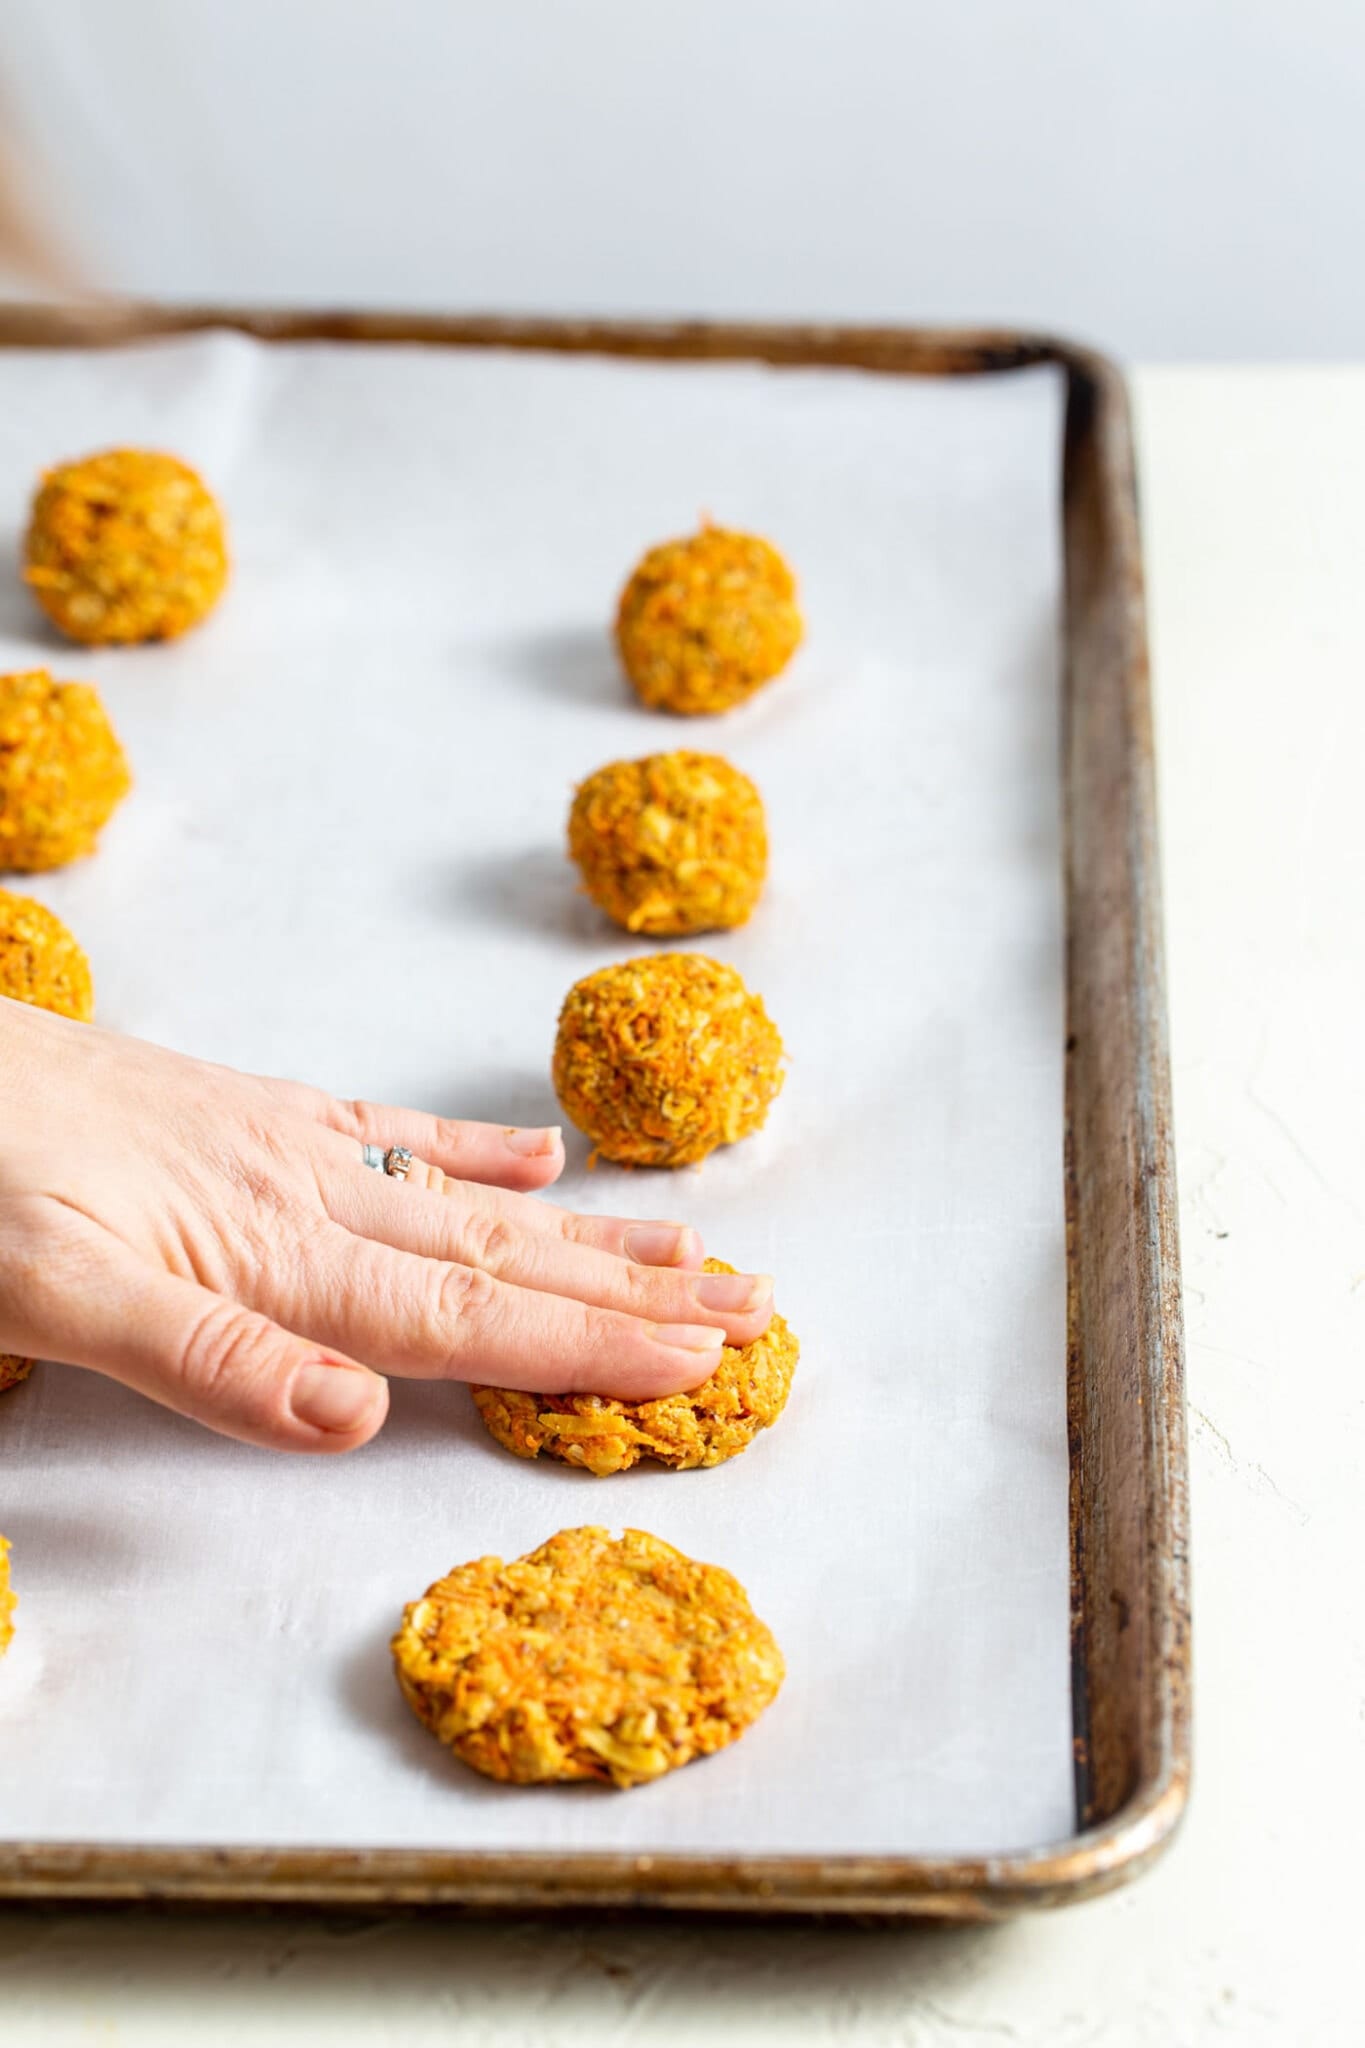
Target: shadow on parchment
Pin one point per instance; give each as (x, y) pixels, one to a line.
(20, 616)
(496, 1095)
(575, 664)
(534, 891)
(370, 1693)
(74, 1544)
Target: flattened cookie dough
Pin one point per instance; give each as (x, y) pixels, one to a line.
(594, 1657)
(12, 1370)
(717, 1420)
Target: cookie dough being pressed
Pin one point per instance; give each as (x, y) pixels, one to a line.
(704, 622)
(126, 545)
(663, 1058)
(672, 844)
(598, 1657)
(12, 1370)
(62, 770)
(41, 963)
(717, 1420)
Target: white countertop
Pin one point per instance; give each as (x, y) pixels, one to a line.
(1254, 488)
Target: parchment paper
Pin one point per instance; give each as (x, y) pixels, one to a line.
(343, 861)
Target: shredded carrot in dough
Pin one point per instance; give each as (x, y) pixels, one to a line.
(663, 1058)
(62, 770)
(40, 962)
(717, 1420)
(704, 622)
(672, 844)
(123, 546)
(592, 1657)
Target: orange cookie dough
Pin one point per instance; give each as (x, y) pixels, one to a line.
(663, 1058)
(126, 545)
(615, 1659)
(672, 844)
(12, 1370)
(705, 622)
(41, 963)
(62, 770)
(746, 1393)
(8, 1603)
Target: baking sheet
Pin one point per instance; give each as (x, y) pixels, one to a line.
(353, 782)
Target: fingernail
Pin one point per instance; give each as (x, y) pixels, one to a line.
(334, 1397)
(737, 1293)
(686, 1336)
(656, 1244)
(534, 1144)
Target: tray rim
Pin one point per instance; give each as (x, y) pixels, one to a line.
(1143, 1750)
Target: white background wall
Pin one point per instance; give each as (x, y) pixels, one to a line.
(1174, 178)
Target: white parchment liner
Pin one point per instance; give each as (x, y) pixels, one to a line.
(343, 861)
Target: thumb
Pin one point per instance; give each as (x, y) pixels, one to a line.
(223, 1365)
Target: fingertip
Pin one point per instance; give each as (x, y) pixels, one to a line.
(692, 1250)
(675, 1245)
(541, 1143)
(336, 1405)
(683, 1356)
(534, 1158)
(533, 1175)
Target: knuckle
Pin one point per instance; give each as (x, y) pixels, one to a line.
(463, 1294)
(652, 1293)
(266, 1135)
(493, 1240)
(597, 1341)
(227, 1349)
(259, 1161)
(450, 1134)
(273, 1236)
(353, 1115)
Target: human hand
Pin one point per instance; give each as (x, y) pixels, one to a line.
(215, 1241)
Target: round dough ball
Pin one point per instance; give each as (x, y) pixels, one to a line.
(663, 1058)
(62, 770)
(705, 622)
(746, 1393)
(123, 546)
(614, 1659)
(12, 1370)
(40, 962)
(672, 844)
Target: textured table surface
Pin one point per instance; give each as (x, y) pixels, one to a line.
(1254, 486)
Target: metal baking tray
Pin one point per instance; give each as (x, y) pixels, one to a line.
(1124, 1366)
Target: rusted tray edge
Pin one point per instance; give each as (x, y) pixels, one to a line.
(1125, 1357)
(517, 1881)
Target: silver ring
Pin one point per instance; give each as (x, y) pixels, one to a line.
(373, 1155)
(397, 1162)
